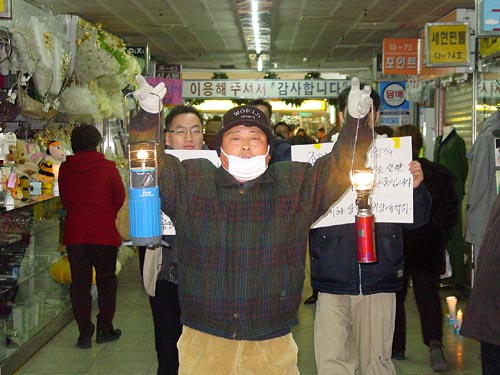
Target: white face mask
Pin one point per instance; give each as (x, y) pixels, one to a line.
(246, 169)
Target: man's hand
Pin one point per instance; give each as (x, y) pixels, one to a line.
(149, 98)
(359, 102)
(417, 173)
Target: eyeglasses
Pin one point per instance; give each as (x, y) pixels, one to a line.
(193, 131)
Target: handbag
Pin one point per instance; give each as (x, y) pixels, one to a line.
(151, 269)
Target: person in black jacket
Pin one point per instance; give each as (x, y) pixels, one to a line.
(355, 310)
(424, 251)
(281, 150)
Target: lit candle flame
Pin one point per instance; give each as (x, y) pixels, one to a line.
(142, 154)
(362, 180)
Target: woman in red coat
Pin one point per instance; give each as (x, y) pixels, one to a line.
(92, 192)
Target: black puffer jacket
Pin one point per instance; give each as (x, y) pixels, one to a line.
(334, 266)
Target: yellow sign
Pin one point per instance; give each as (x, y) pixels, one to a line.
(489, 46)
(447, 44)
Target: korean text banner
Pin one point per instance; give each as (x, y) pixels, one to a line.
(263, 88)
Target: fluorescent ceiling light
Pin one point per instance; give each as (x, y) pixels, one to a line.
(256, 25)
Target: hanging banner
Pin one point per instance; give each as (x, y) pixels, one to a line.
(174, 89)
(488, 17)
(447, 44)
(401, 56)
(263, 88)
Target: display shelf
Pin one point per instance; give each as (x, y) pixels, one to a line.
(33, 307)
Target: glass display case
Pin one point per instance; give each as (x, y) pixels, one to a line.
(33, 307)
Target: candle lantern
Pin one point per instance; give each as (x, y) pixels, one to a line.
(363, 181)
(144, 194)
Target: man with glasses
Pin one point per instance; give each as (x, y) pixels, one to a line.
(184, 129)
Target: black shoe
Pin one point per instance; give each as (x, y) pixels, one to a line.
(438, 361)
(311, 300)
(108, 336)
(398, 355)
(84, 341)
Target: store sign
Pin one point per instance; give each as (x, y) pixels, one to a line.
(169, 71)
(488, 89)
(447, 44)
(401, 56)
(488, 47)
(265, 88)
(138, 51)
(394, 108)
(488, 17)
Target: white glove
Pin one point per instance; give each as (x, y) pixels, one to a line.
(149, 98)
(359, 102)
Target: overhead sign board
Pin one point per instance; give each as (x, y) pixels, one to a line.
(263, 88)
(447, 44)
(401, 56)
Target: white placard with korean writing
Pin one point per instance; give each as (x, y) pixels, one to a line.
(263, 88)
(211, 155)
(392, 197)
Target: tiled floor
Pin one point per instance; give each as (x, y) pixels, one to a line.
(134, 353)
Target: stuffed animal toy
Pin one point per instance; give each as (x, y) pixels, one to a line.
(49, 166)
(11, 157)
(23, 165)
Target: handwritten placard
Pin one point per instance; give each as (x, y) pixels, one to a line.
(211, 155)
(392, 197)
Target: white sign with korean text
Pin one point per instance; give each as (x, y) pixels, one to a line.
(211, 155)
(263, 88)
(392, 197)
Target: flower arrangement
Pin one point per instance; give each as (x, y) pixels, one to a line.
(102, 67)
(39, 50)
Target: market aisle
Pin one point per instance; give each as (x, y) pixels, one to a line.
(134, 353)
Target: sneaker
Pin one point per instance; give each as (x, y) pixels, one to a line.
(398, 355)
(438, 362)
(108, 336)
(84, 341)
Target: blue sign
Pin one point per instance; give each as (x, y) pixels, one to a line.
(393, 96)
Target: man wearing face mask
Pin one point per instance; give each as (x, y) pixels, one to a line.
(242, 248)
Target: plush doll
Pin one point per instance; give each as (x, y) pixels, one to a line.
(11, 157)
(23, 165)
(49, 166)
